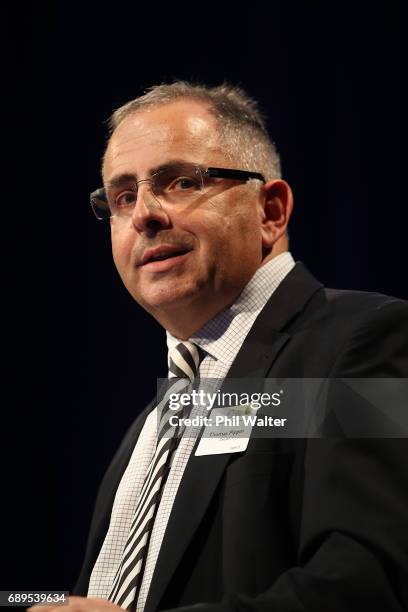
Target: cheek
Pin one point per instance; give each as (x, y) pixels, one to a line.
(117, 254)
(229, 232)
(121, 250)
(233, 249)
(243, 231)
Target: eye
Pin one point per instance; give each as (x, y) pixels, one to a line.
(185, 183)
(176, 183)
(125, 198)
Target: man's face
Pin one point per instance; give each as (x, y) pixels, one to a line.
(219, 237)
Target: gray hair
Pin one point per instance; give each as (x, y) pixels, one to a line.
(241, 124)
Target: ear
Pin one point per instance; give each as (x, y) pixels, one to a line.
(277, 203)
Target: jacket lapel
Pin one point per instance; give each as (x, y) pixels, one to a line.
(202, 474)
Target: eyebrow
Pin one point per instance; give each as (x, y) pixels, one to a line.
(126, 178)
(120, 180)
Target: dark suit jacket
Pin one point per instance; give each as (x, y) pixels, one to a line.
(299, 525)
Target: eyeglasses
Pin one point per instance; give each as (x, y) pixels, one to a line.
(181, 184)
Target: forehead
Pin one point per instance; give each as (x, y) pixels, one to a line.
(152, 136)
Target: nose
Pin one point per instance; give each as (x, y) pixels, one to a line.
(148, 216)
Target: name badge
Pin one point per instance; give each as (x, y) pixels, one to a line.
(227, 430)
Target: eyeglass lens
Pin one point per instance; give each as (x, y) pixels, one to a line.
(174, 184)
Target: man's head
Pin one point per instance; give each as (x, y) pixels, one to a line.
(215, 241)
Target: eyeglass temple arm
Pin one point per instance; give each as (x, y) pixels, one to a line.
(239, 175)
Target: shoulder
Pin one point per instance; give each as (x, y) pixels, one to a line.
(361, 302)
(320, 307)
(336, 332)
(365, 312)
(374, 332)
(354, 309)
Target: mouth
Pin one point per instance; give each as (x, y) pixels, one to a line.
(165, 256)
(161, 258)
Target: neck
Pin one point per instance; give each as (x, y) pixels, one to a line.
(184, 321)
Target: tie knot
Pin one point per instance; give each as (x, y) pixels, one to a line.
(184, 360)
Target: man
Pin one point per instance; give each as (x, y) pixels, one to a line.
(286, 523)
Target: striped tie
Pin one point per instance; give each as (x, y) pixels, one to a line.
(184, 360)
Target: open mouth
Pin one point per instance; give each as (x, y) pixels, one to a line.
(162, 254)
(165, 256)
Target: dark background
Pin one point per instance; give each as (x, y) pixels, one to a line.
(330, 76)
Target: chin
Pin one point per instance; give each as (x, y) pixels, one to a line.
(166, 298)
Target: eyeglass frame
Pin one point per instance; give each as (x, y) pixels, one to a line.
(227, 173)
